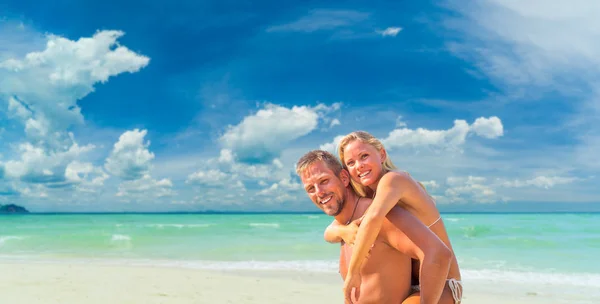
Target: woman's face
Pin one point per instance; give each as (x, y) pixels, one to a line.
(364, 162)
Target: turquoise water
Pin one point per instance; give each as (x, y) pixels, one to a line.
(553, 248)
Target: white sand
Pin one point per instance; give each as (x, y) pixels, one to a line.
(22, 282)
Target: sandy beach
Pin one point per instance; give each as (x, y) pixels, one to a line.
(47, 283)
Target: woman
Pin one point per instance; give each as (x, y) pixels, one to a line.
(373, 175)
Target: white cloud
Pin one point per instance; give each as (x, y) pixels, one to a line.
(130, 158)
(260, 137)
(7, 189)
(41, 166)
(332, 146)
(334, 122)
(43, 87)
(430, 184)
(285, 190)
(145, 188)
(537, 49)
(85, 173)
(469, 189)
(400, 122)
(452, 138)
(210, 178)
(390, 31)
(532, 42)
(322, 19)
(488, 127)
(539, 181)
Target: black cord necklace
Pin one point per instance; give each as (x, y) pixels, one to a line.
(356, 205)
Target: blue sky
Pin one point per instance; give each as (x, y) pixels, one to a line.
(131, 106)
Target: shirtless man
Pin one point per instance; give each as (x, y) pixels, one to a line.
(386, 276)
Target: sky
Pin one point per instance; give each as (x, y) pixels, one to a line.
(207, 105)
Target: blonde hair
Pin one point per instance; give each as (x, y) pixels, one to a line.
(366, 138)
(318, 155)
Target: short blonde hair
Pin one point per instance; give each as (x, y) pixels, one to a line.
(318, 155)
(366, 138)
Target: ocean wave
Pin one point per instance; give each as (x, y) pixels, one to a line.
(264, 225)
(5, 239)
(532, 277)
(179, 226)
(120, 237)
(476, 231)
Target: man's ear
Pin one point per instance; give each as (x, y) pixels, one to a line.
(345, 177)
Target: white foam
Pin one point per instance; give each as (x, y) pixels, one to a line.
(264, 225)
(536, 278)
(179, 226)
(120, 237)
(4, 239)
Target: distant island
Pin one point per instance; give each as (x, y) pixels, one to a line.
(12, 208)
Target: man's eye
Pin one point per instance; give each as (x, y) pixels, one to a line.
(364, 156)
(324, 181)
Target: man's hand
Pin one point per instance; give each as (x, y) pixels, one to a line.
(352, 282)
(349, 232)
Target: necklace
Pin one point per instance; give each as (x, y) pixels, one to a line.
(356, 205)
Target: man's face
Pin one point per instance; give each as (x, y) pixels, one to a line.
(325, 189)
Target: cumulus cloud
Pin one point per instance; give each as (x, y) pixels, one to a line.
(43, 87)
(130, 158)
(216, 178)
(471, 189)
(488, 127)
(260, 137)
(452, 138)
(85, 173)
(284, 190)
(40, 166)
(332, 146)
(7, 189)
(145, 188)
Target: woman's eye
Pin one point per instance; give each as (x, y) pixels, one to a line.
(350, 163)
(363, 156)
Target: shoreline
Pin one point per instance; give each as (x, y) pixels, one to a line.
(65, 282)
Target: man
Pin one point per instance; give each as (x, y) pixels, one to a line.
(386, 276)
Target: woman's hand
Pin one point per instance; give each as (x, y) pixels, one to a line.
(352, 281)
(349, 232)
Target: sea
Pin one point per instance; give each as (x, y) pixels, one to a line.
(536, 254)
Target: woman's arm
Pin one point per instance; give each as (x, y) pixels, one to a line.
(333, 232)
(389, 192)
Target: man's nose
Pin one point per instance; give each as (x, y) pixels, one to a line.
(320, 190)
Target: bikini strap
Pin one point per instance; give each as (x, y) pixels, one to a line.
(438, 219)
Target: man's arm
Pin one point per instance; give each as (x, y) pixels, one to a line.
(433, 254)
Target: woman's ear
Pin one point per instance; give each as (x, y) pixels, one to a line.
(383, 155)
